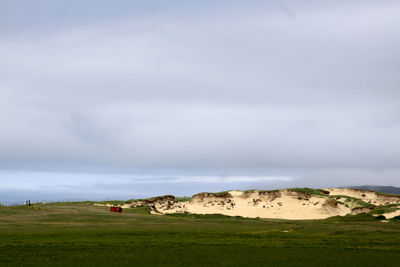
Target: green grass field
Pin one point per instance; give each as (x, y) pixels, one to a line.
(81, 234)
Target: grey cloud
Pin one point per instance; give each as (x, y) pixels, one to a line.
(242, 90)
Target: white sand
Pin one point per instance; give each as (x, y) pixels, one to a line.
(252, 205)
(393, 214)
(365, 195)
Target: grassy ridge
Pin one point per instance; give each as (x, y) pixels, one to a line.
(86, 235)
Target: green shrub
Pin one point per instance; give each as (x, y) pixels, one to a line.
(386, 209)
(397, 218)
(380, 217)
(310, 191)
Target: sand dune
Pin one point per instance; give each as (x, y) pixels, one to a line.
(276, 204)
(291, 204)
(370, 197)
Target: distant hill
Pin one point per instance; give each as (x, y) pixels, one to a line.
(378, 188)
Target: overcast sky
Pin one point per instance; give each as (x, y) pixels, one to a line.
(105, 98)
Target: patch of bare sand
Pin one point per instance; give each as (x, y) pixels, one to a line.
(366, 196)
(390, 215)
(282, 204)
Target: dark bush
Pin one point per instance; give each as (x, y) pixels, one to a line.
(397, 218)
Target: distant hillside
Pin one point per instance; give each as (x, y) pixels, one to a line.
(377, 188)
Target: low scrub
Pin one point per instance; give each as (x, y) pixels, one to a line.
(380, 217)
(397, 218)
(183, 199)
(355, 202)
(386, 209)
(310, 191)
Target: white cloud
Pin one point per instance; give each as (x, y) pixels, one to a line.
(247, 91)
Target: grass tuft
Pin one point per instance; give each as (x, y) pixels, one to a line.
(310, 191)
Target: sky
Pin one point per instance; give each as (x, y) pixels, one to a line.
(105, 99)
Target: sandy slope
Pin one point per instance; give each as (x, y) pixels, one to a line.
(366, 195)
(280, 204)
(390, 215)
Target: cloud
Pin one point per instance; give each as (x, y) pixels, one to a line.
(203, 91)
(22, 185)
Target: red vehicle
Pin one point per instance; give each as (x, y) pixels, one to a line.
(116, 209)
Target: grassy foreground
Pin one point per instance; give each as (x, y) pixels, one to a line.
(80, 234)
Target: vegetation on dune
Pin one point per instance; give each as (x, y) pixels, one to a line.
(353, 202)
(396, 218)
(218, 193)
(183, 199)
(387, 194)
(251, 191)
(380, 217)
(391, 190)
(151, 199)
(386, 209)
(260, 191)
(376, 192)
(223, 194)
(159, 198)
(310, 191)
(331, 202)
